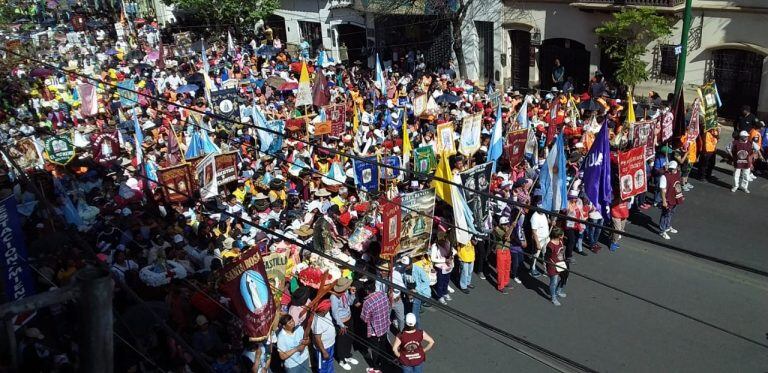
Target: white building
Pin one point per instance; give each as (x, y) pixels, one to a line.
(515, 42)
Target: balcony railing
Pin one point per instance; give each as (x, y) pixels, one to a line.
(657, 3)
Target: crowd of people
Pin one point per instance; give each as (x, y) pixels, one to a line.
(142, 115)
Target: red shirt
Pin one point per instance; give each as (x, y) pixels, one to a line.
(556, 254)
(620, 210)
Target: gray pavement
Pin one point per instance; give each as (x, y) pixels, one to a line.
(668, 315)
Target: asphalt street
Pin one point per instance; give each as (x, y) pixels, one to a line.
(643, 308)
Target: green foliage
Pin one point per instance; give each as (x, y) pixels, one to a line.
(228, 11)
(625, 38)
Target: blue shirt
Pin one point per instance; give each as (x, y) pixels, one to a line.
(420, 278)
(286, 341)
(340, 309)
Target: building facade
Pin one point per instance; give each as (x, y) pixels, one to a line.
(515, 43)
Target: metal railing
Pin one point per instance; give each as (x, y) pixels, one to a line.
(658, 3)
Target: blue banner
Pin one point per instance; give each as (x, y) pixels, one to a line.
(367, 174)
(127, 98)
(390, 173)
(18, 279)
(277, 140)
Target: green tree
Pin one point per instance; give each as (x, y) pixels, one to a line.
(228, 11)
(626, 37)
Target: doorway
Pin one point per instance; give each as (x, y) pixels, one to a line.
(738, 76)
(352, 42)
(573, 56)
(520, 57)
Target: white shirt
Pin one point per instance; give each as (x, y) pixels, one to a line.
(663, 182)
(323, 325)
(540, 228)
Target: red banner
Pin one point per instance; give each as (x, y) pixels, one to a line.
(176, 181)
(692, 131)
(515, 146)
(391, 213)
(667, 124)
(105, 148)
(632, 177)
(244, 281)
(644, 134)
(337, 114)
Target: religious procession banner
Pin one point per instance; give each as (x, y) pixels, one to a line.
(367, 173)
(393, 171)
(206, 176)
(105, 148)
(275, 265)
(17, 275)
(27, 153)
(711, 100)
(632, 172)
(322, 128)
(692, 131)
(89, 104)
(424, 160)
(667, 124)
(391, 218)
(417, 209)
(59, 149)
(419, 105)
(126, 90)
(244, 282)
(445, 139)
(644, 135)
(337, 115)
(471, 127)
(225, 102)
(478, 178)
(515, 146)
(226, 168)
(176, 181)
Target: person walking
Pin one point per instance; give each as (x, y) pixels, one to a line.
(540, 235)
(409, 346)
(555, 264)
(466, 255)
(324, 336)
(619, 216)
(292, 346)
(341, 310)
(441, 255)
(708, 153)
(501, 234)
(375, 314)
(518, 243)
(671, 187)
(741, 151)
(416, 279)
(573, 228)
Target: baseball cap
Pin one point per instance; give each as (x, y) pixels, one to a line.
(410, 319)
(743, 134)
(672, 165)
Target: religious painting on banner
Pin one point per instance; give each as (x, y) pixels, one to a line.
(632, 177)
(322, 128)
(225, 102)
(226, 168)
(205, 170)
(295, 124)
(471, 127)
(445, 139)
(692, 130)
(176, 181)
(424, 160)
(244, 282)
(367, 173)
(27, 153)
(419, 105)
(337, 114)
(275, 265)
(643, 134)
(416, 228)
(495, 99)
(711, 100)
(59, 149)
(391, 218)
(667, 123)
(392, 172)
(478, 178)
(515, 146)
(105, 148)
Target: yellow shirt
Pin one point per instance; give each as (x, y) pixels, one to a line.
(467, 253)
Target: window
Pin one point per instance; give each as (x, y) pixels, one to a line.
(485, 49)
(668, 65)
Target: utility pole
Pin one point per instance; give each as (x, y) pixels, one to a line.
(687, 15)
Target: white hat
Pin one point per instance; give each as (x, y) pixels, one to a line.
(504, 220)
(201, 320)
(406, 260)
(579, 145)
(743, 134)
(322, 193)
(178, 238)
(672, 165)
(410, 319)
(34, 333)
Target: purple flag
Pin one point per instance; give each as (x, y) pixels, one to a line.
(597, 172)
